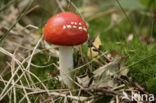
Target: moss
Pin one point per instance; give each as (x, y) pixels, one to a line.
(45, 74)
(143, 72)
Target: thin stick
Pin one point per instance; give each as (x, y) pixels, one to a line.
(11, 55)
(60, 6)
(102, 14)
(33, 8)
(29, 63)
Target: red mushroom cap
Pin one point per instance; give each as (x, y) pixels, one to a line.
(66, 29)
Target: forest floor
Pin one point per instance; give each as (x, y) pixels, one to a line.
(118, 60)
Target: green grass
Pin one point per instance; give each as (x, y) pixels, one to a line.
(143, 72)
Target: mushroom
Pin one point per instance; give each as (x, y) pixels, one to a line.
(66, 30)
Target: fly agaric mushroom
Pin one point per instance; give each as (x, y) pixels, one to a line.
(66, 30)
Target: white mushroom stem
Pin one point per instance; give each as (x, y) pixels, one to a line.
(66, 64)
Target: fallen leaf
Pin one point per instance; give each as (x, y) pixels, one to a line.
(83, 81)
(97, 44)
(101, 74)
(116, 54)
